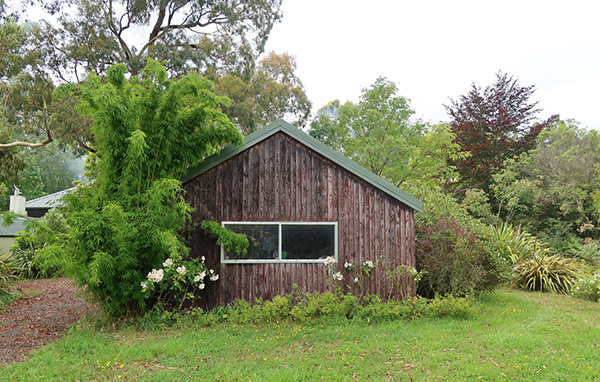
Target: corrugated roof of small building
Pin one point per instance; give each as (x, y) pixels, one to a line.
(48, 201)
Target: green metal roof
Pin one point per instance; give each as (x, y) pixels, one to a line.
(314, 144)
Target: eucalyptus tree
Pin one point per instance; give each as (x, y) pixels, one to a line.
(89, 36)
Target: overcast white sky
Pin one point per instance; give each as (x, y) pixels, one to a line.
(434, 49)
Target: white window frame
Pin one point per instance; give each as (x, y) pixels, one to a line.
(279, 259)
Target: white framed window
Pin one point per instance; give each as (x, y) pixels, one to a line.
(275, 242)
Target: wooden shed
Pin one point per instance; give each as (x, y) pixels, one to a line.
(298, 201)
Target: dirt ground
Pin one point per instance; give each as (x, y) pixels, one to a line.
(46, 311)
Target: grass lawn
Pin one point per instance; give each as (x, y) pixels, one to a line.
(517, 336)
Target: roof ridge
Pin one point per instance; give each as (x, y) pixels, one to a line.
(315, 145)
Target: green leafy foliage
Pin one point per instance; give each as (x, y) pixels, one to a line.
(373, 310)
(551, 273)
(271, 92)
(404, 275)
(587, 286)
(8, 275)
(452, 307)
(378, 134)
(148, 130)
(42, 249)
(514, 245)
(456, 261)
(588, 251)
(232, 242)
(438, 205)
(550, 190)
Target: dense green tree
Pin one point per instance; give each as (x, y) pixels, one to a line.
(148, 130)
(379, 134)
(492, 125)
(272, 91)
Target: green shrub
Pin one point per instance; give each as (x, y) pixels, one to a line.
(450, 306)
(8, 275)
(551, 273)
(587, 287)
(260, 312)
(375, 311)
(590, 252)
(42, 248)
(325, 305)
(456, 261)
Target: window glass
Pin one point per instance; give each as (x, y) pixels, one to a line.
(263, 239)
(299, 241)
(276, 241)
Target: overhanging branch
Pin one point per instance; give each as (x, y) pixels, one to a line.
(27, 144)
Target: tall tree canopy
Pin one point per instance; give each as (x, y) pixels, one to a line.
(222, 39)
(148, 130)
(272, 91)
(492, 125)
(378, 134)
(188, 34)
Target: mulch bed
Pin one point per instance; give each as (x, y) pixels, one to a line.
(46, 311)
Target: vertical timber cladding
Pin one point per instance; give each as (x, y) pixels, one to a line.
(281, 179)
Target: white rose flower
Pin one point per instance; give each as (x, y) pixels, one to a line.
(214, 277)
(203, 258)
(338, 276)
(201, 286)
(329, 260)
(347, 265)
(202, 275)
(156, 276)
(368, 263)
(167, 263)
(181, 270)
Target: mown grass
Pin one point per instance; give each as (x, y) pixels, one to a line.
(517, 335)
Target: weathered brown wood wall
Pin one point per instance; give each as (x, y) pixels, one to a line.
(280, 179)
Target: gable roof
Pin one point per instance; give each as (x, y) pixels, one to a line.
(48, 201)
(314, 144)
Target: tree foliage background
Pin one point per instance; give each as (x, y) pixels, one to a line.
(493, 125)
(221, 39)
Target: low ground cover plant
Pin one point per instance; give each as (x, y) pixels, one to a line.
(317, 308)
(516, 335)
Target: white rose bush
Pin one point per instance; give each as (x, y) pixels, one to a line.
(359, 274)
(177, 281)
